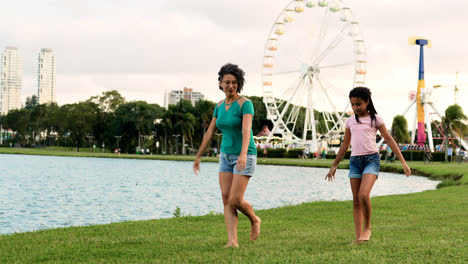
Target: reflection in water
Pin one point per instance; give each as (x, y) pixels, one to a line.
(62, 191)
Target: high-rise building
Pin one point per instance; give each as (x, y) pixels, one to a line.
(10, 83)
(46, 77)
(196, 96)
(174, 96)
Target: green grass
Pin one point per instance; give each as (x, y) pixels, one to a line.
(426, 227)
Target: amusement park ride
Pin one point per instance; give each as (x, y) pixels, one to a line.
(423, 100)
(306, 60)
(313, 47)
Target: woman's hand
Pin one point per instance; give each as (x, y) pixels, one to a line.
(196, 166)
(241, 161)
(406, 169)
(331, 174)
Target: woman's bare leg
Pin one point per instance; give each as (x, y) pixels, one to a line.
(236, 199)
(357, 211)
(230, 213)
(367, 183)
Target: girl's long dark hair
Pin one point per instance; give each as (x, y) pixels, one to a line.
(365, 94)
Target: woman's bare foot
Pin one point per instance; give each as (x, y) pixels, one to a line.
(231, 244)
(255, 231)
(366, 234)
(355, 242)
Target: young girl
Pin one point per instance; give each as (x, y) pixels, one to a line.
(364, 163)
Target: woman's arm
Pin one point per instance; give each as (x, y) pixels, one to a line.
(394, 147)
(246, 129)
(205, 143)
(343, 148)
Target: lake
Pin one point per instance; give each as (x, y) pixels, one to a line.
(41, 192)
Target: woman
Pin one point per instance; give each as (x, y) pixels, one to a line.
(238, 155)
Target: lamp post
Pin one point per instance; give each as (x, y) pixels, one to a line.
(156, 143)
(177, 143)
(89, 140)
(118, 149)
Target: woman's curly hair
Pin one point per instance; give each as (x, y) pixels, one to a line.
(234, 70)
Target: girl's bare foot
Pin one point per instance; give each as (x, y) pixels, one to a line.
(366, 234)
(231, 244)
(255, 232)
(355, 242)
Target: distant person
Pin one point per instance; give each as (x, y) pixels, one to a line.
(364, 163)
(305, 153)
(238, 154)
(428, 155)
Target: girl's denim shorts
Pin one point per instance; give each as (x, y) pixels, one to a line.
(228, 162)
(360, 165)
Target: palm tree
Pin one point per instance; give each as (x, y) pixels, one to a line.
(186, 124)
(454, 122)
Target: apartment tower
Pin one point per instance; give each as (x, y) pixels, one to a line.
(46, 77)
(10, 82)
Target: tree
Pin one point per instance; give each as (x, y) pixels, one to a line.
(109, 101)
(18, 121)
(204, 113)
(400, 129)
(455, 119)
(81, 118)
(181, 121)
(134, 119)
(31, 102)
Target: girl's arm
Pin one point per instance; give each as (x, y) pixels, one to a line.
(394, 147)
(246, 129)
(205, 143)
(343, 148)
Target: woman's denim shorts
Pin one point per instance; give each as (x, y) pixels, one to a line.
(228, 162)
(360, 165)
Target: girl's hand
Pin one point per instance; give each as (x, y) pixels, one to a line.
(241, 161)
(406, 169)
(196, 166)
(331, 174)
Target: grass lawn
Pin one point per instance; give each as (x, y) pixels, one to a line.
(426, 227)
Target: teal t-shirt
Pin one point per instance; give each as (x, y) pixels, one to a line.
(230, 123)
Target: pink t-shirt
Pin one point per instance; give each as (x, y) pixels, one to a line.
(363, 135)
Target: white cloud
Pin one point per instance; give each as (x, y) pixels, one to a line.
(145, 47)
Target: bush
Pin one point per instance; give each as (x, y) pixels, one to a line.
(438, 156)
(294, 153)
(448, 182)
(272, 153)
(276, 152)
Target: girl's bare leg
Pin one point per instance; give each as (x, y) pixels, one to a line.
(230, 213)
(236, 199)
(357, 211)
(367, 183)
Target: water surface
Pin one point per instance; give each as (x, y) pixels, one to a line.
(39, 192)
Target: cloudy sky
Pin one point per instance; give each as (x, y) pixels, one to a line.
(143, 48)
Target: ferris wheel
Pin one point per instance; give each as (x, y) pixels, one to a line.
(314, 55)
